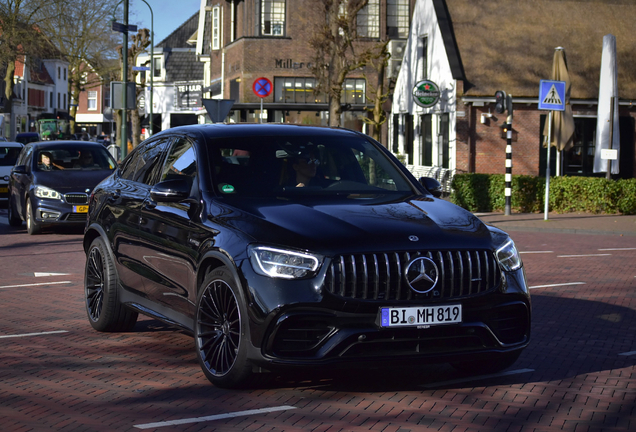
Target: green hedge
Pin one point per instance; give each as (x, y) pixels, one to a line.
(485, 193)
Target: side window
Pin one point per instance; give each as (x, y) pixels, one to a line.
(149, 160)
(130, 163)
(181, 161)
(23, 158)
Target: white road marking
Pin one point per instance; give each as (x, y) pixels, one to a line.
(36, 284)
(533, 252)
(617, 249)
(41, 274)
(557, 285)
(629, 353)
(477, 378)
(33, 334)
(578, 256)
(214, 417)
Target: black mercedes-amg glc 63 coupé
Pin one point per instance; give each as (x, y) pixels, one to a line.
(282, 247)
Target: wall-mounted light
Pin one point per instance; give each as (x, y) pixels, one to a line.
(485, 117)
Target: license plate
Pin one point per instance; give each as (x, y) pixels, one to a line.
(80, 209)
(420, 316)
(4, 189)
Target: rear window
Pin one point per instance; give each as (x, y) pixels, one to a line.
(8, 155)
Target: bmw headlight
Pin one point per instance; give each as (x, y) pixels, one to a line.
(282, 263)
(44, 192)
(508, 256)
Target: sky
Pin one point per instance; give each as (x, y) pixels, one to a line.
(168, 15)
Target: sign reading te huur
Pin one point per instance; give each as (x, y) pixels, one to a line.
(426, 93)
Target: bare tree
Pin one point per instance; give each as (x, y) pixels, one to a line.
(140, 42)
(337, 52)
(82, 34)
(20, 37)
(377, 93)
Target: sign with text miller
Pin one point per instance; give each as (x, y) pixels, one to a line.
(188, 95)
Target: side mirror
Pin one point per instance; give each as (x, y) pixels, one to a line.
(432, 185)
(175, 190)
(19, 169)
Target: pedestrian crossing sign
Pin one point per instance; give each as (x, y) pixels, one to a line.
(552, 95)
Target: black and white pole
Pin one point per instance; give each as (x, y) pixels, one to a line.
(508, 179)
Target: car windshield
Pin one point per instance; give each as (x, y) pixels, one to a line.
(75, 159)
(8, 155)
(303, 166)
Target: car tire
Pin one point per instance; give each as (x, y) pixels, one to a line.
(33, 226)
(220, 330)
(105, 312)
(492, 365)
(12, 215)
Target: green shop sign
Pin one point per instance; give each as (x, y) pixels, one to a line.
(426, 93)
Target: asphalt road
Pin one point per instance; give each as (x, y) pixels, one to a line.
(58, 374)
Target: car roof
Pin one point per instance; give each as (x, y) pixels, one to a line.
(42, 145)
(218, 130)
(11, 144)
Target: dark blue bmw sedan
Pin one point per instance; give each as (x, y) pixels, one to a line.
(52, 181)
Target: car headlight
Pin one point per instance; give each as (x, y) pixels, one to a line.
(44, 192)
(508, 256)
(281, 263)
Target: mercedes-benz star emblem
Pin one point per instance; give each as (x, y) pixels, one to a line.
(421, 275)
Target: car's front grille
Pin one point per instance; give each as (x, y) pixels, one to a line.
(76, 198)
(380, 276)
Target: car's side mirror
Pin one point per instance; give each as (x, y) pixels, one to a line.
(19, 169)
(432, 185)
(174, 190)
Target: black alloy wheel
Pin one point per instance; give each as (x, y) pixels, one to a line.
(220, 331)
(105, 312)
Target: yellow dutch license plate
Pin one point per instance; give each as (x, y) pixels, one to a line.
(4, 189)
(80, 209)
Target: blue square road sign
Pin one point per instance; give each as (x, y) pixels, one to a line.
(552, 95)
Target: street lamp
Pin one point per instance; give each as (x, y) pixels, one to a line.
(152, 63)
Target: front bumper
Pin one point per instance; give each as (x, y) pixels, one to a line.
(57, 212)
(305, 326)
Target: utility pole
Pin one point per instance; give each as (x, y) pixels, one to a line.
(124, 78)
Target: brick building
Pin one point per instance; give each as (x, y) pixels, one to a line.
(251, 39)
(473, 49)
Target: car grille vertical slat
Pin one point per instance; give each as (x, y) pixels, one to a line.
(382, 276)
(365, 276)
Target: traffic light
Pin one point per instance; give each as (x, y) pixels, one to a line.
(500, 101)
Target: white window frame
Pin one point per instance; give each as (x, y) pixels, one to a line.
(216, 28)
(273, 9)
(91, 100)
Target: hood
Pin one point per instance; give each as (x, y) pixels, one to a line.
(66, 181)
(352, 225)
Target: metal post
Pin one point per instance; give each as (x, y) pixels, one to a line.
(124, 78)
(152, 63)
(508, 191)
(547, 166)
(608, 174)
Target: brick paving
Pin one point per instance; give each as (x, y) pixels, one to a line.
(575, 375)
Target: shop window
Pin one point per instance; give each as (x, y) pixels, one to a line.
(272, 17)
(296, 90)
(354, 91)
